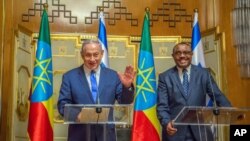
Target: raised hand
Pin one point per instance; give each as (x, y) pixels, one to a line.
(128, 77)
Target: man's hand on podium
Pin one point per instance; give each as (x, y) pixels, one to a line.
(78, 119)
(170, 129)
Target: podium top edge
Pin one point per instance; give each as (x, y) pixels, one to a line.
(98, 105)
(220, 108)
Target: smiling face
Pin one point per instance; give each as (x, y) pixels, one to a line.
(92, 54)
(182, 55)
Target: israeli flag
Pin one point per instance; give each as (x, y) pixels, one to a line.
(103, 40)
(197, 48)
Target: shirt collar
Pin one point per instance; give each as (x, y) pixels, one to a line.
(88, 71)
(180, 69)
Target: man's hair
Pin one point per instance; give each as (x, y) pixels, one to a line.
(182, 43)
(90, 41)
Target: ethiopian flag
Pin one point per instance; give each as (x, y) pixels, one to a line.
(146, 126)
(40, 126)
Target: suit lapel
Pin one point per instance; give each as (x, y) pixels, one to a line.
(84, 83)
(178, 82)
(101, 80)
(192, 80)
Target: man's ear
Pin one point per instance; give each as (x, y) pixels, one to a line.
(81, 53)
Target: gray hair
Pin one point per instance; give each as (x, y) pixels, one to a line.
(181, 43)
(90, 41)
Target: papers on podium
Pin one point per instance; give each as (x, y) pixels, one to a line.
(118, 114)
(89, 115)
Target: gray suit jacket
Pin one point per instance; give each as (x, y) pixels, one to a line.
(171, 99)
(75, 90)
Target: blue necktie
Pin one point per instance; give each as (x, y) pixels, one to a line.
(93, 85)
(185, 83)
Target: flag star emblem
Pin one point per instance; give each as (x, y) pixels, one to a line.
(145, 85)
(43, 76)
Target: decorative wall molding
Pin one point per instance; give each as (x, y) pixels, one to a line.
(56, 12)
(168, 11)
(120, 12)
(172, 13)
(22, 103)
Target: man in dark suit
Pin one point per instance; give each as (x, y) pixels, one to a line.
(77, 88)
(185, 85)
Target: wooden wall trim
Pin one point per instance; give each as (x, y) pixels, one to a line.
(7, 49)
(1, 56)
(1, 59)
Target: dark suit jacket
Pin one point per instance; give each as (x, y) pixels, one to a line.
(171, 98)
(75, 90)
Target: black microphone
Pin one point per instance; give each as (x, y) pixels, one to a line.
(98, 107)
(98, 110)
(216, 110)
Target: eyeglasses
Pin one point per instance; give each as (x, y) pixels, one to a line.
(179, 53)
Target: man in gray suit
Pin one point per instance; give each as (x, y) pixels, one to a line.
(185, 85)
(108, 87)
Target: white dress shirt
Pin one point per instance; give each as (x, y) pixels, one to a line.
(88, 73)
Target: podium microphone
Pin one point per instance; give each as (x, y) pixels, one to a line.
(216, 110)
(98, 107)
(97, 102)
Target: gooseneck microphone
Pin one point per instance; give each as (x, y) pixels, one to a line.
(216, 110)
(98, 107)
(95, 91)
(98, 110)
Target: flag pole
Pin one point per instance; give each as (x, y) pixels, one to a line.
(45, 6)
(100, 9)
(146, 126)
(102, 37)
(196, 10)
(41, 114)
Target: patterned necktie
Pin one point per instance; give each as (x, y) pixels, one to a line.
(93, 85)
(185, 83)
